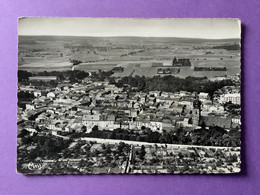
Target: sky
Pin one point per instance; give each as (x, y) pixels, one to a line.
(106, 27)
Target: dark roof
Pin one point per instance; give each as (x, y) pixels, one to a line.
(216, 121)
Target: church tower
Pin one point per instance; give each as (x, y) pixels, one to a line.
(196, 112)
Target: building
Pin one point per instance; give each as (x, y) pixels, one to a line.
(196, 112)
(43, 78)
(224, 122)
(29, 107)
(50, 95)
(236, 121)
(37, 93)
(203, 96)
(232, 97)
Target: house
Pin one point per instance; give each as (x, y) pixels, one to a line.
(89, 117)
(29, 107)
(37, 93)
(203, 96)
(224, 122)
(206, 104)
(236, 121)
(51, 95)
(184, 123)
(232, 97)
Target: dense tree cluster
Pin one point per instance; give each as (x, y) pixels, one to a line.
(51, 147)
(47, 146)
(101, 75)
(25, 96)
(23, 75)
(214, 136)
(232, 108)
(140, 82)
(72, 76)
(228, 47)
(171, 83)
(118, 69)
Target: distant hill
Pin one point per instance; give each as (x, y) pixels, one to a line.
(123, 39)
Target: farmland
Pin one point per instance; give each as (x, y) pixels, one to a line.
(135, 54)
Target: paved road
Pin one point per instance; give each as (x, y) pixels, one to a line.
(136, 143)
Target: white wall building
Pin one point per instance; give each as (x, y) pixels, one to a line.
(232, 97)
(50, 95)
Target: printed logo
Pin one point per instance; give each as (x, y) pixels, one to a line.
(36, 166)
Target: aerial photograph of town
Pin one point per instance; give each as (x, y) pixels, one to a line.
(128, 96)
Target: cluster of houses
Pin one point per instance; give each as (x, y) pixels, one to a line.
(81, 107)
(100, 105)
(188, 160)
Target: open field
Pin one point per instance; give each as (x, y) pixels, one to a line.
(104, 53)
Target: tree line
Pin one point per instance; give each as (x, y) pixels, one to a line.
(214, 136)
(72, 76)
(171, 83)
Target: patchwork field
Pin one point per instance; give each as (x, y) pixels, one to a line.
(135, 54)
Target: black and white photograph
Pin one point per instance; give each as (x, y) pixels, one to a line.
(128, 96)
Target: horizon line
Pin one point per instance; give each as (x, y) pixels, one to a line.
(128, 36)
